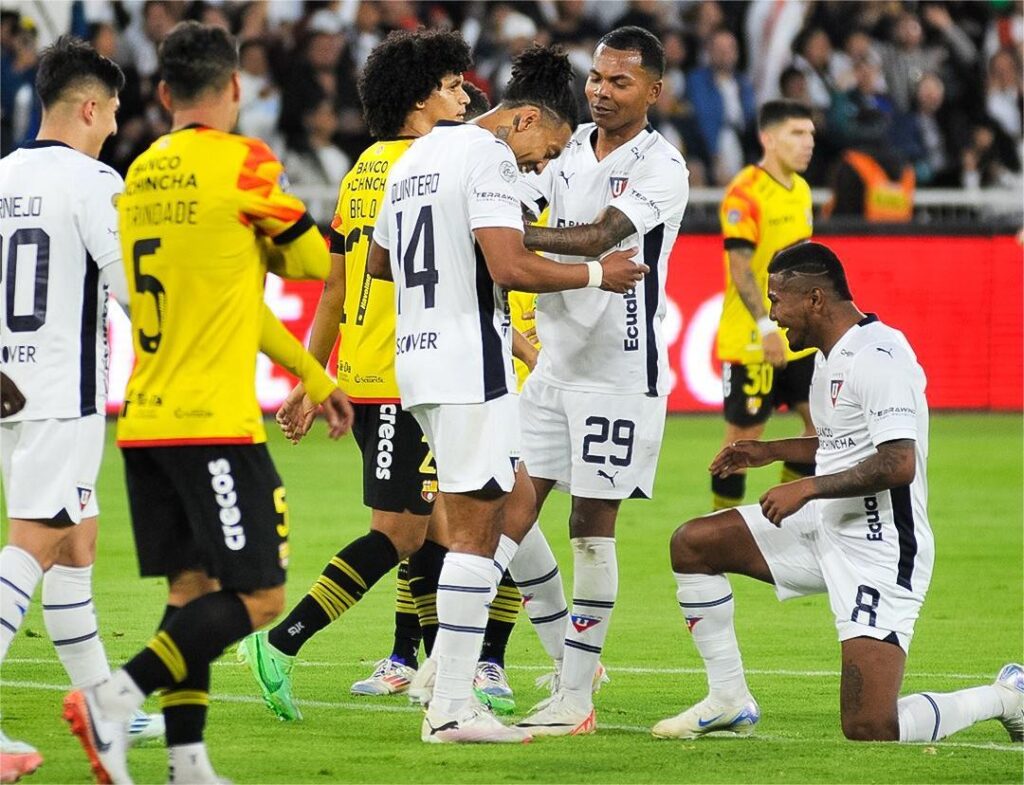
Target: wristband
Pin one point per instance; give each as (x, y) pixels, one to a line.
(596, 273)
(766, 326)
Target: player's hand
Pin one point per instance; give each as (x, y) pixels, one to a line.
(740, 455)
(784, 500)
(296, 414)
(338, 413)
(11, 399)
(531, 334)
(620, 272)
(774, 350)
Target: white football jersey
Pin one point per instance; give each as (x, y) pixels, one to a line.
(593, 339)
(871, 390)
(58, 229)
(452, 339)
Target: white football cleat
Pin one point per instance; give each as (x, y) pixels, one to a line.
(491, 687)
(388, 678)
(476, 725)
(559, 717)
(709, 716)
(145, 728)
(105, 741)
(421, 688)
(1011, 678)
(17, 759)
(553, 681)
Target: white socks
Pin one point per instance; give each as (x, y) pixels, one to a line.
(119, 697)
(20, 573)
(465, 588)
(189, 764)
(503, 556)
(70, 619)
(535, 572)
(707, 605)
(930, 716)
(595, 586)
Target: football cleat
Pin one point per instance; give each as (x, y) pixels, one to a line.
(421, 688)
(105, 741)
(560, 718)
(1011, 678)
(552, 681)
(709, 716)
(388, 678)
(492, 689)
(476, 725)
(17, 759)
(145, 728)
(272, 671)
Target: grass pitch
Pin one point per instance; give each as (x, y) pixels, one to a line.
(970, 626)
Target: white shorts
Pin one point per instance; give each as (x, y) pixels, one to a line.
(475, 445)
(50, 467)
(593, 445)
(808, 556)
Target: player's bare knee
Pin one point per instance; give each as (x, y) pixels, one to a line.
(264, 605)
(687, 548)
(871, 729)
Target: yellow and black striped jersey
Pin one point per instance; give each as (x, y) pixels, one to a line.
(366, 355)
(759, 213)
(197, 209)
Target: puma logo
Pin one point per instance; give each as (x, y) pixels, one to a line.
(887, 351)
(566, 177)
(609, 477)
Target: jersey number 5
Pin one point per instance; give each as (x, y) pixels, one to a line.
(149, 284)
(422, 233)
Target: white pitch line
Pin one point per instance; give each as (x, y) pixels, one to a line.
(613, 669)
(380, 708)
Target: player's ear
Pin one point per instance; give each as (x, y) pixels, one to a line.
(88, 110)
(163, 92)
(236, 87)
(654, 93)
(525, 118)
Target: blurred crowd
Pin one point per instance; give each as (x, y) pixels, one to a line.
(935, 86)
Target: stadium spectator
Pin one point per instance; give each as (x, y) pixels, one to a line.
(812, 536)
(769, 30)
(872, 181)
(1003, 92)
(813, 57)
(261, 98)
(932, 135)
(857, 46)
(724, 100)
(313, 159)
(861, 105)
(19, 109)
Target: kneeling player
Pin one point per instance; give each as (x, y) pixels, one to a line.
(857, 531)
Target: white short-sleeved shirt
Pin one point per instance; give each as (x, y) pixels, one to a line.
(453, 340)
(868, 391)
(58, 228)
(596, 340)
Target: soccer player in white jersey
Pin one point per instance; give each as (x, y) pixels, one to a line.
(593, 412)
(858, 530)
(453, 227)
(60, 256)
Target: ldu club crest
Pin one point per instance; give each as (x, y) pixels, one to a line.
(618, 185)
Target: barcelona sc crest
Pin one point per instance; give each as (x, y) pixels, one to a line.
(618, 185)
(429, 492)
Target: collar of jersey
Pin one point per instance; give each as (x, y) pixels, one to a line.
(452, 123)
(868, 319)
(33, 144)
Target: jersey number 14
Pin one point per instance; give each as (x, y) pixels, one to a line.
(422, 236)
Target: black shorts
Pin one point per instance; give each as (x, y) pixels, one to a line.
(398, 468)
(752, 392)
(218, 508)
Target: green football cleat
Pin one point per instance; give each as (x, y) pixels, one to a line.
(492, 689)
(272, 671)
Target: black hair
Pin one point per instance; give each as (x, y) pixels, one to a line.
(778, 111)
(543, 76)
(815, 259)
(636, 39)
(479, 103)
(195, 58)
(70, 62)
(788, 73)
(404, 69)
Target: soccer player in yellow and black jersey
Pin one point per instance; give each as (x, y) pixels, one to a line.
(409, 83)
(202, 217)
(767, 207)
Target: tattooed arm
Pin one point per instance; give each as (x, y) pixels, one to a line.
(590, 240)
(893, 465)
(753, 298)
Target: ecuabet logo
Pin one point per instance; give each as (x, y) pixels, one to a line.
(618, 185)
(584, 623)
